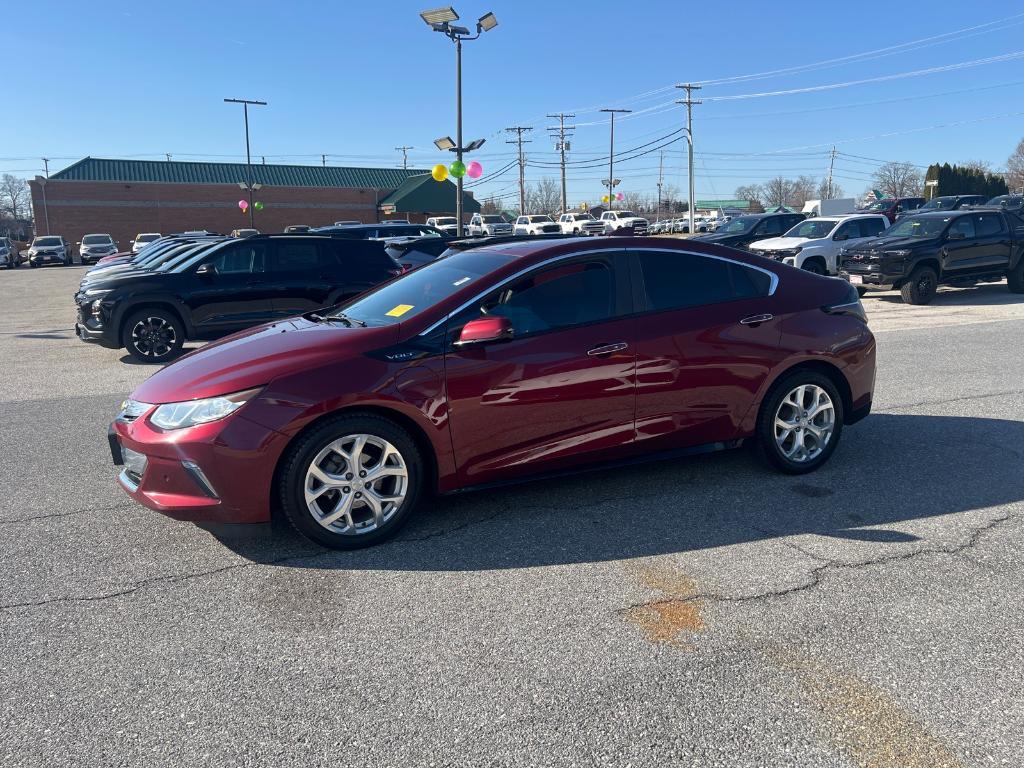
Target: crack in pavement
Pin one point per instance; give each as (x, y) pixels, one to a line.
(895, 409)
(31, 518)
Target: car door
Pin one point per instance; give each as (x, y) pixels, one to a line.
(960, 249)
(707, 336)
(233, 291)
(770, 226)
(993, 242)
(561, 391)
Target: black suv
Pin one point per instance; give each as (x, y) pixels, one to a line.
(225, 287)
(381, 231)
(948, 203)
(741, 231)
(959, 248)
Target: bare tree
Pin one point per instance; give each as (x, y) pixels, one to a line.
(804, 189)
(1015, 168)
(14, 197)
(637, 202)
(544, 197)
(982, 166)
(490, 206)
(825, 192)
(778, 191)
(752, 192)
(898, 180)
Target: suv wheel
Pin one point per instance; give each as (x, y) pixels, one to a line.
(352, 482)
(153, 335)
(800, 422)
(920, 286)
(1015, 277)
(815, 266)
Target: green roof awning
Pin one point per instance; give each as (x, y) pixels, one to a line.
(421, 194)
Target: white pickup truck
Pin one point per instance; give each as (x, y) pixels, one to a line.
(815, 244)
(486, 224)
(536, 225)
(615, 220)
(446, 224)
(580, 224)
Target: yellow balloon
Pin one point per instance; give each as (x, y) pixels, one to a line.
(440, 172)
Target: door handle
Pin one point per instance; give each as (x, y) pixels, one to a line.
(755, 320)
(607, 349)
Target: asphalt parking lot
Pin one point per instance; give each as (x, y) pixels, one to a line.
(703, 612)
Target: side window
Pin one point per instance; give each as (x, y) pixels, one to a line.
(241, 259)
(771, 226)
(293, 257)
(362, 260)
(872, 227)
(988, 224)
(964, 225)
(674, 280)
(563, 296)
(521, 220)
(847, 231)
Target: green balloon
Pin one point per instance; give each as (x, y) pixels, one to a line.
(258, 205)
(458, 169)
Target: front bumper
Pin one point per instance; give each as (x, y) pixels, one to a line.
(39, 259)
(869, 281)
(90, 328)
(220, 472)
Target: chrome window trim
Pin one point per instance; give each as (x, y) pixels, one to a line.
(621, 249)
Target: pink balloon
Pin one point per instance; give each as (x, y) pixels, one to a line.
(619, 196)
(243, 204)
(474, 170)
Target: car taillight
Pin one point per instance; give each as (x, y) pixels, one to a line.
(851, 305)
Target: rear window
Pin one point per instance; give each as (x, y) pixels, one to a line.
(421, 289)
(675, 280)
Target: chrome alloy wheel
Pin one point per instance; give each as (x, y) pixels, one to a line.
(356, 484)
(153, 337)
(804, 423)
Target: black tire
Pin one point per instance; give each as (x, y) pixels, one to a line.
(815, 266)
(767, 445)
(920, 287)
(153, 335)
(292, 473)
(31, 265)
(1015, 277)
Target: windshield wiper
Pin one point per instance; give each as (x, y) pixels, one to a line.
(350, 321)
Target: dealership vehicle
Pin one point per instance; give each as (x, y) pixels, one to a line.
(814, 244)
(10, 256)
(92, 248)
(894, 207)
(447, 224)
(498, 364)
(155, 257)
(622, 221)
(921, 252)
(143, 239)
(297, 229)
(383, 231)
(225, 287)
(484, 224)
(413, 252)
(950, 203)
(1011, 203)
(346, 223)
(833, 207)
(536, 224)
(741, 231)
(244, 232)
(579, 223)
(49, 249)
(682, 225)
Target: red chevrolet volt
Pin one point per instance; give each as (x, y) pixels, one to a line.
(499, 363)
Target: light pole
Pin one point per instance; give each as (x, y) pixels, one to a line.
(440, 20)
(611, 158)
(46, 212)
(248, 157)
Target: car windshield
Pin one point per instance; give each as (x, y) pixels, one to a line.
(740, 224)
(939, 204)
(46, 241)
(919, 226)
(444, 221)
(146, 238)
(420, 289)
(493, 220)
(626, 214)
(1006, 201)
(97, 240)
(881, 205)
(538, 219)
(811, 229)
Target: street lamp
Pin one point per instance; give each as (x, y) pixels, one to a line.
(46, 211)
(611, 181)
(440, 20)
(249, 186)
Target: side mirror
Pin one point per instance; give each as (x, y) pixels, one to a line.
(484, 330)
(956, 235)
(206, 269)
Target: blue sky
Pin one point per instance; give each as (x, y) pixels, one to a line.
(354, 80)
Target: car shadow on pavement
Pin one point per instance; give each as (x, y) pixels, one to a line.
(986, 294)
(889, 469)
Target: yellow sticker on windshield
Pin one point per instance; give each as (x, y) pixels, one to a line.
(398, 311)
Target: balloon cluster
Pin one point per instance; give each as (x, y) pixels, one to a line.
(458, 169)
(244, 205)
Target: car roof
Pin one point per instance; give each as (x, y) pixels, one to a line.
(941, 214)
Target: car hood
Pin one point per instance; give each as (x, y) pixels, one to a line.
(257, 356)
(784, 243)
(894, 243)
(117, 279)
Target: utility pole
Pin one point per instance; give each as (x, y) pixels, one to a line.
(248, 156)
(831, 165)
(46, 166)
(405, 156)
(611, 156)
(323, 160)
(562, 146)
(661, 180)
(689, 102)
(518, 140)
(168, 156)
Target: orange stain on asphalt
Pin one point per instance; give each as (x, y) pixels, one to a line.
(667, 621)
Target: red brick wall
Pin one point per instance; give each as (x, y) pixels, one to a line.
(76, 208)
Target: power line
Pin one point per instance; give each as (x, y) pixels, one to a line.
(518, 130)
(562, 146)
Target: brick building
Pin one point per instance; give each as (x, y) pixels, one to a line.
(125, 197)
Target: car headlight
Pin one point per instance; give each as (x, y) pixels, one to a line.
(898, 254)
(797, 249)
(193, 412)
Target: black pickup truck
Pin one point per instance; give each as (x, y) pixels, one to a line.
(919, 253)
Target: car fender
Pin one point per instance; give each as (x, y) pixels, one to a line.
(124, 309)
